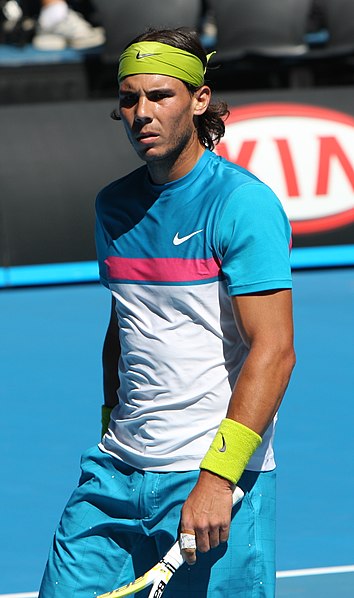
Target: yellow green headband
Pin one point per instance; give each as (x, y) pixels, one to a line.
(156, 58)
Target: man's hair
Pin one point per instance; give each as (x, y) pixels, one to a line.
(210, 125)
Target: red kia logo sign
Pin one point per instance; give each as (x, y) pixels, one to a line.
(305, 153)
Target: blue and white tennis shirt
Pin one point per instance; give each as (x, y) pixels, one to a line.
(173, 255)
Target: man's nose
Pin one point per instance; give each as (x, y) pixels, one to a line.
(143, 110)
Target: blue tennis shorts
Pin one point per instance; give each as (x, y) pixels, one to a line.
(120, 521)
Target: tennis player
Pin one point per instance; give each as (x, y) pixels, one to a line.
(198, 352)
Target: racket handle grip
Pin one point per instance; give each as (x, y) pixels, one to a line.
(237, 495)
(174, 556)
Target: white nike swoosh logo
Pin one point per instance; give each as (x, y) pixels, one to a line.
(139, 55)
(223, 448)
(178, 240)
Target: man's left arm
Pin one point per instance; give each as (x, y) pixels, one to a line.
(265, 323)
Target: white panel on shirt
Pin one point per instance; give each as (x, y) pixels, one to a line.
(178, 365)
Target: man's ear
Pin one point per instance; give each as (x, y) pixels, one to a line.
(202, 99)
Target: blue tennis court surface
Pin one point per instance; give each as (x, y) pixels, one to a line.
(50, 352)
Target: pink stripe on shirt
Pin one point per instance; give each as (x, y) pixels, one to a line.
(161, 269)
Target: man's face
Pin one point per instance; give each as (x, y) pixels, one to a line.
(157, 112)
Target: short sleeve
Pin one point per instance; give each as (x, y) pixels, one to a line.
(254, 239)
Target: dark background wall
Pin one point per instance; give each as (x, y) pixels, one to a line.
(54, 158)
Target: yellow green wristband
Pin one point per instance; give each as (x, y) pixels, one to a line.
(105, 417)
(231, 449)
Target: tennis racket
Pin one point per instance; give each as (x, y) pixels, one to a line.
(160, 574)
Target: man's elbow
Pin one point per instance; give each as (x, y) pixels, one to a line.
(280, 357)
(288, 360)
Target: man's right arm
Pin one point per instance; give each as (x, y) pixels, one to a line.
(110, 357)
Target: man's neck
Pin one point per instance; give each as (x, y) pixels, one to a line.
(168, 170)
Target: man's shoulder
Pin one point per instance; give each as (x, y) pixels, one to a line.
(119, 186)
(240, 188)
(227, 170)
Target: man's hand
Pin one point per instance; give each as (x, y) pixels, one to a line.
(207, 513)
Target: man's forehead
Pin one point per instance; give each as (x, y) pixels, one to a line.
(150, 81)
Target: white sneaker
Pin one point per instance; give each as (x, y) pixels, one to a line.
(73, 32)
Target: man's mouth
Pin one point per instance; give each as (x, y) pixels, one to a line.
(146, 137)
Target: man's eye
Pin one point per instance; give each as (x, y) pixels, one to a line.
(158, 96)
(127, 101)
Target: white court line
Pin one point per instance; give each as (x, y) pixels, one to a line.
(291, 573)
(316, 571)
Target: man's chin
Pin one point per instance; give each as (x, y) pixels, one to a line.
(152, 154)
(158, 154)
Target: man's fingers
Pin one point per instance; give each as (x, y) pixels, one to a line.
(188, 546)
(187, 540)
(224, 533)
(204, 540)
(214, 538)
(211, 538)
